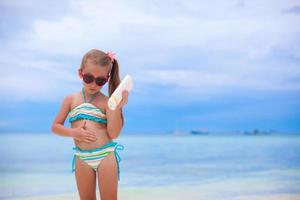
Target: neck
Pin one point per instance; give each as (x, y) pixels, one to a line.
(90, 96)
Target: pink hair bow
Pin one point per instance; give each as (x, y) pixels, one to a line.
(111, 55)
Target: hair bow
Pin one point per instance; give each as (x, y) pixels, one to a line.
(111, 55)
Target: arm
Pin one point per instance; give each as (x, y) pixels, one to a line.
(115, 119)
(58, 124)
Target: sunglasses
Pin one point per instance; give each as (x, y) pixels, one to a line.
(89, 78)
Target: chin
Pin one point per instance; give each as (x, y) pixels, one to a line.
(93, 91)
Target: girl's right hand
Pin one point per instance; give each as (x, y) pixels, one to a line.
(82, 135)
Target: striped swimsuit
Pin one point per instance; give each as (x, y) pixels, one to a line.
(93, 157)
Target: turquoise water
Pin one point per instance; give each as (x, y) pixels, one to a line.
(34, 164)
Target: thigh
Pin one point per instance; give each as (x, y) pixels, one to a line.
(108, 177)
(86, 180)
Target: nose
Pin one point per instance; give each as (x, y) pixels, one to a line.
(93, 85)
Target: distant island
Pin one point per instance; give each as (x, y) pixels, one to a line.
(237, 132)
(199, 132)
(191, 132)
(258, 132)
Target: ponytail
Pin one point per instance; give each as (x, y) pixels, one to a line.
(114, 82)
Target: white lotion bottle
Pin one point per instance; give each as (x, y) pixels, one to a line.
(116, 97)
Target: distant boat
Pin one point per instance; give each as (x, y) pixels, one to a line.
(254, 132)
(258, 132)
(199, 132)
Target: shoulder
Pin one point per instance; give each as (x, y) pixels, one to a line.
(70, 98)
(105, 100)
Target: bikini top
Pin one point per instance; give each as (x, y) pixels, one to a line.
(87, 111)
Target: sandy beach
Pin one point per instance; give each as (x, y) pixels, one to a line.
(173, 193)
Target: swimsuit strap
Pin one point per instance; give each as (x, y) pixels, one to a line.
(118, 158)
(83, 95)
(92, 97)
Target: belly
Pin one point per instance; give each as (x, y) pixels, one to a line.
(98, 129)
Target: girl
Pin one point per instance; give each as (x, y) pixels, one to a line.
(94, 126)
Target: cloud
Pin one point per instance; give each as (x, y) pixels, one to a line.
(293, 10)
(5, 123)
(208, 81)
(34, 80)
(238, 41)
(131, 24)
(187, 86)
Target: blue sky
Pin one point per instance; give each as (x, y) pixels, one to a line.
(215, 65)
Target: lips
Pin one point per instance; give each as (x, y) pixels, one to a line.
(93, 91)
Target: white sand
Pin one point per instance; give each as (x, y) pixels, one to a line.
(173, 193)
(220, 189)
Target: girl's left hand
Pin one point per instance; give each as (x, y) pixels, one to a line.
(124, 99)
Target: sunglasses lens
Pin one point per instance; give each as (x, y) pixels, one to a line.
(88, 78)
(100, 81)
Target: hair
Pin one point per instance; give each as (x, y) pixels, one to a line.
(102, 59)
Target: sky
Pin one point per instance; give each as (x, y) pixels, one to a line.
(197, 65)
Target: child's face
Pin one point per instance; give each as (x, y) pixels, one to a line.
(96, 71)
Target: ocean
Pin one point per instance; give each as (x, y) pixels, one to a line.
(33, 164)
